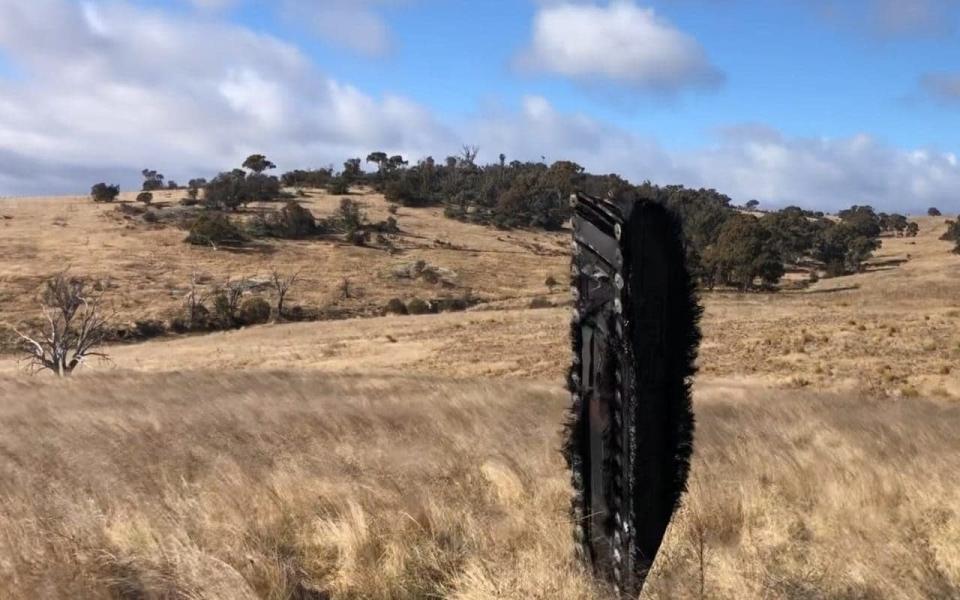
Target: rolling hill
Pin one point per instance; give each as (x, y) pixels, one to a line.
(417, 456)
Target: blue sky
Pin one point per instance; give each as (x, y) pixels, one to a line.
(821, 103)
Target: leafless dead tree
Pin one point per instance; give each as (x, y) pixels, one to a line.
(468, 155)
(281, 284)
(75, 327)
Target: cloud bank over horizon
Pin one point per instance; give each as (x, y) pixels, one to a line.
(116, 87)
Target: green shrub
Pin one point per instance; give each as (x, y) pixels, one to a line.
(185, 322)
(338, 186)
(102, 192)
(540, 302)
(149, 328)
(293, 221)
(224, 310)
(215, 230)
(145, 197)
(396, 307)
(450, 304)
(418, 307)
(254, 311)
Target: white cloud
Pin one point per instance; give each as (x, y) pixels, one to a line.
(828, 173)
(115, 88)
(621, 43)
(744, 162)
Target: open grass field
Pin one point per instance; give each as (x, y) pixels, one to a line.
(418, 456)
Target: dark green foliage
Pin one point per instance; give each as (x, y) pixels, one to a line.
(702, 212)
(540, 302)
(149, 328)
(351, 171)
(262, 188)
(388, 168)
(102, 192)
(307, 179)
(351, 217)
(896, 223)
(192, 318)
(514, 195)
(193, 192)
(152, 180)
(452, 304)
(792, 233)
(417, 186)
(145, 197)
(231, 190)
(227, 191)
(254, 311)
(843, 247)
(863, 220)
(933, 211)
(396, 307)
(912, 229)
(953, 234)
(172, 185)
(293, 221)
(224, 310)
(419, 307)
(215, 230)
(743, 252)
(953, 231)
(339, 186)
(258, 163)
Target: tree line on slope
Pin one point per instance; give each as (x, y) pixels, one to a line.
(726, 245)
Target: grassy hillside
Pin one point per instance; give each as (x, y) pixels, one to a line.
(417, 456)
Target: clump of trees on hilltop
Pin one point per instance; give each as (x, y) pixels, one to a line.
(101, 192)
(726, 246)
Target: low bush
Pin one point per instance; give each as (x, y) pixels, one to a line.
(396, 307)
(419, 307)
(149, 328)
(338, 186)
(215, 230)
(540, 302)
(293, 221)
(254, 311)
(188, 321)
(450, 304)
(102, 192)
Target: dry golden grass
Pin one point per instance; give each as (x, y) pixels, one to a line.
(148, 269)
(291, 485)
(891, 331)
(282, 485)
(417, 457)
